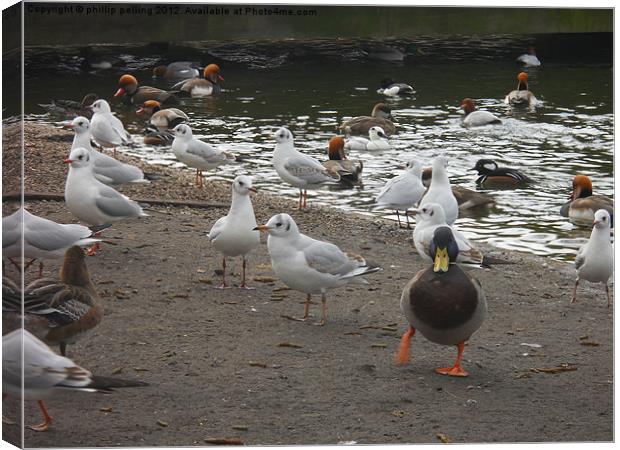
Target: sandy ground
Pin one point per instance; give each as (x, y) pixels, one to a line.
(227, 364)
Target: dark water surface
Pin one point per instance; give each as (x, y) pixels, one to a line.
(311, 87)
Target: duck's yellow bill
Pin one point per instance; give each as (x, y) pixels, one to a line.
(442, 260)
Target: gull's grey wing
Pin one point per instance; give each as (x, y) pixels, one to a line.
(208, 153)
(49, 236)
(114, 204)
(217, 228)
(308, 169)
(115, 171)
(325, 257)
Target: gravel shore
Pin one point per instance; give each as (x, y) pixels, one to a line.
(227, 364)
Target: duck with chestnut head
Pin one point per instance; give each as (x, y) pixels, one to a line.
(477, 118)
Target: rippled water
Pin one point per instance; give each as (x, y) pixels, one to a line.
(271, 86)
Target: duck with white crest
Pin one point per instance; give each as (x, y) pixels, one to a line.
(298, 170)
(440, 191)
(234, 234)
(198, 154)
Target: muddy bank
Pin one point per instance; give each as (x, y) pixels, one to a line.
(226, 364)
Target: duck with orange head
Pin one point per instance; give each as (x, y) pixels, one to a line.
(582, 203)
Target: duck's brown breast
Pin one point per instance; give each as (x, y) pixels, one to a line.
(443, 301)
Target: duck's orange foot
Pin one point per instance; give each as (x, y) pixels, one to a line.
(456, 371)
(402, 356)
(93, 249)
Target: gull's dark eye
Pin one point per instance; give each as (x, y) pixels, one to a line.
(241, 183)
(80, 157)
(279, 224)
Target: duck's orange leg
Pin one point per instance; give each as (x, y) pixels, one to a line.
(402, 357)
(47, 419)
(456, 370)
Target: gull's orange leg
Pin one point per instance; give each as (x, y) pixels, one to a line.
(41, 269)
(323, 310)
(305, 198)
(243, 285)
(575, 291)
(47, 419)
(456, 370)
(608, 297)
(92, 250)
(402, 357)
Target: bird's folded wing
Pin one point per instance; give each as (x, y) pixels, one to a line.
(51, 237)
(113, 204)
(217, 228)
(329, 259)
(308, 169)
(117, 171)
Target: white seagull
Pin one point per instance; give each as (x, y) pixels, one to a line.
(46, 374)
(595, 260)
(89, 199)
(43, 238)
(440, 191)
(107, 169)
(404, 191)
(234, 234)
(309, 265)
(295, 168)
(431, 216)
(197, 154)
(106, 129)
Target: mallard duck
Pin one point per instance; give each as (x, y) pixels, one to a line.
(58, 311)
(583, 204)
(349, 170)
(491, 175)
(444, 302)
(476, 118)
(521, 96)
(380, 117)
(595, 260)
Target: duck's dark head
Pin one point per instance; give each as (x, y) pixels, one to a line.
(443, 249)
(335, 151)
(582, 187)
(485, 166)
(386, 83)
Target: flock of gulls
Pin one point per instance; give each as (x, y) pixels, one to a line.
(443, 301)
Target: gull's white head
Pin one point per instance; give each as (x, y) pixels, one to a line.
(440, 164)
(602, 219)
(242, 184)
(100, 106)
(414, 167)
(376, 133)
(183, 131)
(431, 213)
(280, 225)
(79, 157)
(80, 125)
(283, 135)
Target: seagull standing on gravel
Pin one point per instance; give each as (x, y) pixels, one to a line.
(89, 199)
(440, 191)
(299, 170)
(106, 169)
(403, 191)
(309, 265)
(431, 216)
(43, 238)
(235, 234)
(46, 374)
(197, 154)
(106, 129)
(595, 260)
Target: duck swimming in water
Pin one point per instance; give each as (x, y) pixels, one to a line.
(521, 96)
(476, 118)
(491, 175)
